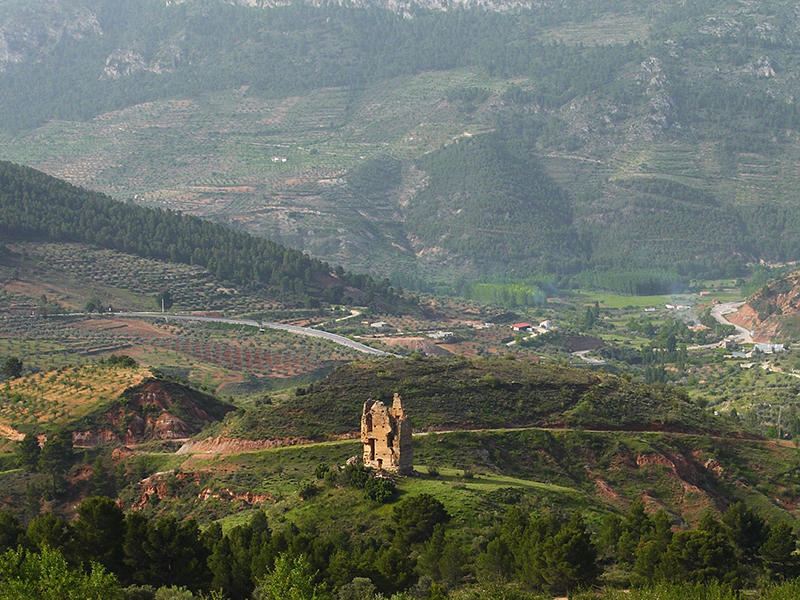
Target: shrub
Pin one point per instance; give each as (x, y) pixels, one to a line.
(308, 490)
(379, 489)
(174, 593)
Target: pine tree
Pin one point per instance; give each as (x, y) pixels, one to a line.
(571, 557)
(746, 529)
(56, 458)
(28, 451)
(98, 534)
(48, 531)
(778, 552)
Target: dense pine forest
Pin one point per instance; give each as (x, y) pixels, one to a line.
(108, 554)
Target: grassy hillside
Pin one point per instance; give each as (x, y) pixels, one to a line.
(478, 475)
(456, 393)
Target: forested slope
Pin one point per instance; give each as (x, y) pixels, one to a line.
(39, 207)
(487, 203)
(608, 134)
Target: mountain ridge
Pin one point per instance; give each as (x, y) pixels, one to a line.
(671, 130)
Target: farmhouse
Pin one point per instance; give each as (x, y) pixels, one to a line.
(521, 326)
(769, 348)
(386, 435)
(440, 335)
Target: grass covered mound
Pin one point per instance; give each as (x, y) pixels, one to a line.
(457, 393)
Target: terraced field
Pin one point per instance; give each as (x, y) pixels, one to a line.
(277, 167)
(273, 167)
(63, 395)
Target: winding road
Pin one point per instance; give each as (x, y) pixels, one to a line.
(326, 335)
(589, 361)
(744, 336)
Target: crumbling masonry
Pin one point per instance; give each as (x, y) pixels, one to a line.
(386, 434)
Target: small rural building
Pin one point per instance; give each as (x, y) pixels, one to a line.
(386, 435)
(440, 335)
(548, 325)
(768, 348)
(521, 326)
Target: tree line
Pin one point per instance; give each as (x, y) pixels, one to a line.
(133, 556)
(35, 206)
(419, 555)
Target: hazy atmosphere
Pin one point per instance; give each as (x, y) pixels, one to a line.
(396, 299)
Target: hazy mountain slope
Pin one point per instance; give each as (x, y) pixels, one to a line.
(669, 129)
(38, 207)
(483, 202)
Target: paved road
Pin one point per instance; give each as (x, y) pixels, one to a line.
(719, 310)
(589, 361)
(336, 339)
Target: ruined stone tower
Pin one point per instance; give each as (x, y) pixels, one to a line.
(386, 435)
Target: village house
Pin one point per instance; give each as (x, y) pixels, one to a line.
(440, 335)
(768, 348)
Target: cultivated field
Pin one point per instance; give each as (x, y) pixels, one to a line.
(55, 397)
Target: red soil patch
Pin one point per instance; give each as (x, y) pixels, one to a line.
(223, 445)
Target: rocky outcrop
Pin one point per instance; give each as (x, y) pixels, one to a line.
(169, 484)
(661, 114)
(153, 410)
(772, 313)
(28, 34)
(124, 62)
